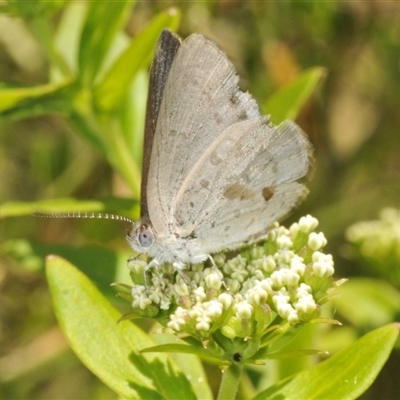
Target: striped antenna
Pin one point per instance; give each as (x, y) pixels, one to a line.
(77, 214)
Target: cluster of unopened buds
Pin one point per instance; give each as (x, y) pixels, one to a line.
(376, 244)
(378, 239)
(281, 282)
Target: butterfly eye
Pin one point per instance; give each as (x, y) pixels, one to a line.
(146, 237)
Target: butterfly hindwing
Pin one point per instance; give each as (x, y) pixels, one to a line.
(246, 180)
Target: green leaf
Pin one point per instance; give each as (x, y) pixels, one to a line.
(110, 264)
(368, 302)
(287, 102)
(104, 19)
(33, 8)
(112, 90)
(284, 355)
(67, 35)
(346, 375)
(86, 127)
(36, 100)
(191, 365)
(108, 349)
(183, 349)
(132, 115)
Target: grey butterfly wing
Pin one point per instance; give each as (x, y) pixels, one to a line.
(246, 180)
(200, 100)
(167, 46)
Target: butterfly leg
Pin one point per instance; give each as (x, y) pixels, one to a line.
(219, 273)
(153, 263)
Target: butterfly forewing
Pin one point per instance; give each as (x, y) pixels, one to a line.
(167, 46)
(200, 100)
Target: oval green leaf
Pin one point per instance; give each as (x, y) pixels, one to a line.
(287, 102)
(104, 19)
(367, 302)
(110, 350)
(36, 100)
(346, 375)
(112, 90)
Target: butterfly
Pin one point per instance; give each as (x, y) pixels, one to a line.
(216, 173)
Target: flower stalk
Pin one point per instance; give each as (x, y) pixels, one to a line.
(230, 381)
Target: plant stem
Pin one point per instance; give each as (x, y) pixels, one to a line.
(230, 382)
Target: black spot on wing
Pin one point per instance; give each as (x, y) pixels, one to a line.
(243, 115)
(267, 192)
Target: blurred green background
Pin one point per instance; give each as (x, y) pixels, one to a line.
(352, 119)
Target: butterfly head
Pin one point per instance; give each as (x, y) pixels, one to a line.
(140, 237)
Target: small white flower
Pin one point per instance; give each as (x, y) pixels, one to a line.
(140, 298)
(322, 264)
(233, 285)
(264, 264)
(294, 229)
(266, 284)
(197, 277)
(257, 252)
(284, 309)
(297, 265)
(284, 242)
(181, 288)
(195, 312)
(303, 290)
(257, 295)
(244, 310)
(272, 235)
(213, 281)
(284, 277)
(269, 264)
(283, 306)
(281, 298)
(214, 308)
(240, 275)
(235, 264)
(306, 305)
(137, 265)
(293, 317)
(155, 296)
(165, 303)
(250, 283)
(174, 325)
(316, 241)
(284, 256)
(203, 322)
(219, 259)
(308, 223)
(277, 278)
(203, 325)
(291, 278)
(199, 294)
(226, 300)
(257, 275)
(177, 320)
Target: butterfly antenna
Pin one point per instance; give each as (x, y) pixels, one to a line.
(78, 214)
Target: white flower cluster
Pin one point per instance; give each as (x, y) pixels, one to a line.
(380, 238)
(377, 244)
(281, 281)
